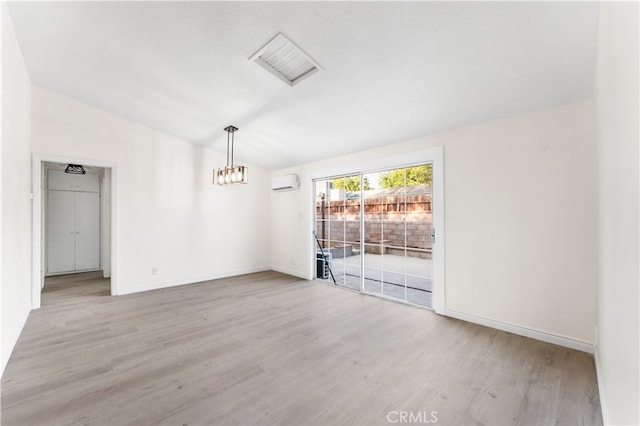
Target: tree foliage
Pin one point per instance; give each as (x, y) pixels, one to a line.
(351, 183)
(414, 176)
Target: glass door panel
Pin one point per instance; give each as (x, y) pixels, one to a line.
(372, 232)
(350, 252)
(322, 200)
(419, 223)
(338, 209)
(394, 236)
(372, 280)
(336, 241)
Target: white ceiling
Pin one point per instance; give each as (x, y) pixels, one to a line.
(392, 70)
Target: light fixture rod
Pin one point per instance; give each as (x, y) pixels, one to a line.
(227, 149)
(230, 134)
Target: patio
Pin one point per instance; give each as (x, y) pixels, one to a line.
(398, 277)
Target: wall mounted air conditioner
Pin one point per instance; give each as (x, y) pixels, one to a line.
(285, 183)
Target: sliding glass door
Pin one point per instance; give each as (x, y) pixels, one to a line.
(375, 231)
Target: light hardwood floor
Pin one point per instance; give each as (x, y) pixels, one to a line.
(267, 348)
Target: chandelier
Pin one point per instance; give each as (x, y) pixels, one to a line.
(231, 173)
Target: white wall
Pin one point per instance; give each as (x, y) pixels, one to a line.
(15, 177)
(520, 219)
(617, 351)
(169, 215)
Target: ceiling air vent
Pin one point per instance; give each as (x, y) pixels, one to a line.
(285, 60)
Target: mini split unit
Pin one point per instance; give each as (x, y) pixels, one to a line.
(285, 183)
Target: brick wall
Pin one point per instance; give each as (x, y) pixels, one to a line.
(394, 221)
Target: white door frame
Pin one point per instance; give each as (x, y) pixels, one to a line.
(37, 270)
(407, 159)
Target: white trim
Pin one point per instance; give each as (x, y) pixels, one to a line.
(556, 339)
(603, 402)
(37, 274)
(406, 159)
(114, 230)
(438, 250)
(311, 242)
(290, 271)
(173, 283)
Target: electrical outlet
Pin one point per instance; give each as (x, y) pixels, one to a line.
(154, 271)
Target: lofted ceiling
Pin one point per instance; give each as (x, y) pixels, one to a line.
(391, 70)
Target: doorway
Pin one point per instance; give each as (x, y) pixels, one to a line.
(73, 220)
(73, 213)
(376, 232)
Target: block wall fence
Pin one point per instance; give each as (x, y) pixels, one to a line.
(394, 222)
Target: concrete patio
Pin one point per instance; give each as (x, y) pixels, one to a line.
(404, 278)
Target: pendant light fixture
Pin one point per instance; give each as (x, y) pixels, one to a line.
(231, 173)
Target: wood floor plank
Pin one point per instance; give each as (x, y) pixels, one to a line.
(267, 348)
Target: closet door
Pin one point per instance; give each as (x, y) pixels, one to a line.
(87, 213)
(61, 232)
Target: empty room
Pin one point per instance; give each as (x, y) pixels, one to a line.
(328, 213)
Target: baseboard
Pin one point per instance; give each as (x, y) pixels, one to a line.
(603, 403)
(173, 283)
(289, 271)
(544, 336)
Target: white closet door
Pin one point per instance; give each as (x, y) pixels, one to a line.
(87, 213)
(61, 232)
